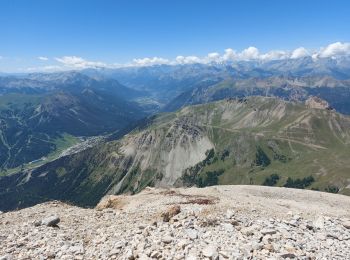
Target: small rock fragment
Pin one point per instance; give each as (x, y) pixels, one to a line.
(269, 247)
(230, 213)
(346, 224)
(268, 231)
(288, 255)
(319, 223)
(37, 223)
(119, 244)
(6, 257)
(210, 251)
(191, 257)
(192, 233)
(228, 227)
(167, 239)
(129, 254)
(224, 254)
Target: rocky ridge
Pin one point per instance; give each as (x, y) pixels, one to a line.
(316, 102)
(219, 222)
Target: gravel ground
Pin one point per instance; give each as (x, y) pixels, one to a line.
(220, 222)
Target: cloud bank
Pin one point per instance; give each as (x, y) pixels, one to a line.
(79, 63)
(251, 53)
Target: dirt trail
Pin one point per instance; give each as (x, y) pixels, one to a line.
(313, 146)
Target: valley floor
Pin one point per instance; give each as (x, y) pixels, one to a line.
(218, 222)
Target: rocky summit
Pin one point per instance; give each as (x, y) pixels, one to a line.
(218, 222)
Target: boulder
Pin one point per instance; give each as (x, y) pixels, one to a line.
(171, 212)
(51, 221)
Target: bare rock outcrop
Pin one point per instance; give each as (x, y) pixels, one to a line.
(319, 103)
(242, 222)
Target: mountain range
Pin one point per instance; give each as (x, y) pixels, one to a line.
(233, 141)
(281, 123)
(167, 81)
(42, 110)
(175, 86)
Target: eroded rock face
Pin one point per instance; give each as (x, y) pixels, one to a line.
(316, 102)
(245, 222)
(164, 152)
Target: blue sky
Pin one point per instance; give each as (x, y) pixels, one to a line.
(111, 32)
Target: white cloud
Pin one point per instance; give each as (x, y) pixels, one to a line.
(335, 49)
(1, 57)
(150, 61)
(43, 58)
(299, 53)
(230, 55)
(274, 55)
(213, 57)
(187, 60)
(250, 53)
(79, 63)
